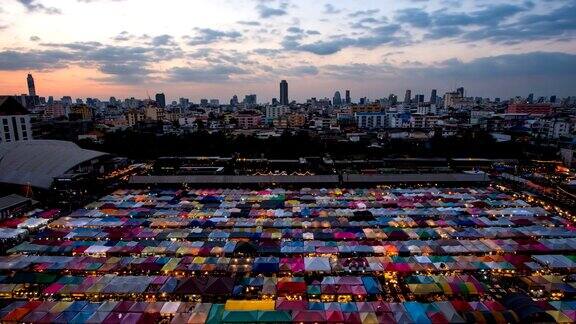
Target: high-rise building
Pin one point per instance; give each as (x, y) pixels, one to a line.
(392, 99)
(460, 92)
(250, 100)
(161, 100)
(553, 99)
(234, 101)
(284, 93)
(433, 96)
(348, 99)
(408, 97)
(530, 98)
(419, 98)
(337, 100)
(184, 103)
(31, 86)
(14, 121)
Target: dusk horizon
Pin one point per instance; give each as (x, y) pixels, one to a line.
(217, 49)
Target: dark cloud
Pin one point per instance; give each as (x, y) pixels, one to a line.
(204, 74)
(207, 35)
(125, 73)
(36, 6)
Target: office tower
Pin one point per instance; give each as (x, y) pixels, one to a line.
(250, 100)
(553, 99)
(348, 99)
(433, 96)
(408, 97)
(50, 100)
(392, 99)
(234, 101)
(31, 86)
(184, 103)
(161, 100)
(203, 102)
(530, 98)
(284, 93)
(66, 101)
(337, 100)
(275, 102)
(460, 92)
(363, 101)
(419, 98)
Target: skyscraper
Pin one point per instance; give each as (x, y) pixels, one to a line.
(284, 93)
(392, 99)
(31, 86)
(408, 97)
(433, 96)
(460, 92)
(161, 100)
(348, 99)
(337, 100)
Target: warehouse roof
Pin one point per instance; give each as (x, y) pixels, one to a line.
(37, 162)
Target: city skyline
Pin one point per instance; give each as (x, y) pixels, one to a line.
(221, 48)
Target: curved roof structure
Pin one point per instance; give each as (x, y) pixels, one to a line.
(37, 162)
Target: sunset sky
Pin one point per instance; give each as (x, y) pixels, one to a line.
(218, 48)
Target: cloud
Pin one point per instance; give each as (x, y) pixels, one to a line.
(509, 74)
(556, 25)
(207, 74)
(34, 38)
(11, 60)
(124, 73)
(120, 64)
(123, 36)
(381, 35)
(298, 71)
(163, 40)
(207, 35)
(413, 16)
(248, 23)
(329, 9)
(295, 30)
(267, 12)
(364, 13)
(35, 6)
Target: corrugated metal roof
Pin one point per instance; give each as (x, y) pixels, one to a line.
(37, 162)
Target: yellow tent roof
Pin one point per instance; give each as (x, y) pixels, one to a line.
(249, 305)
